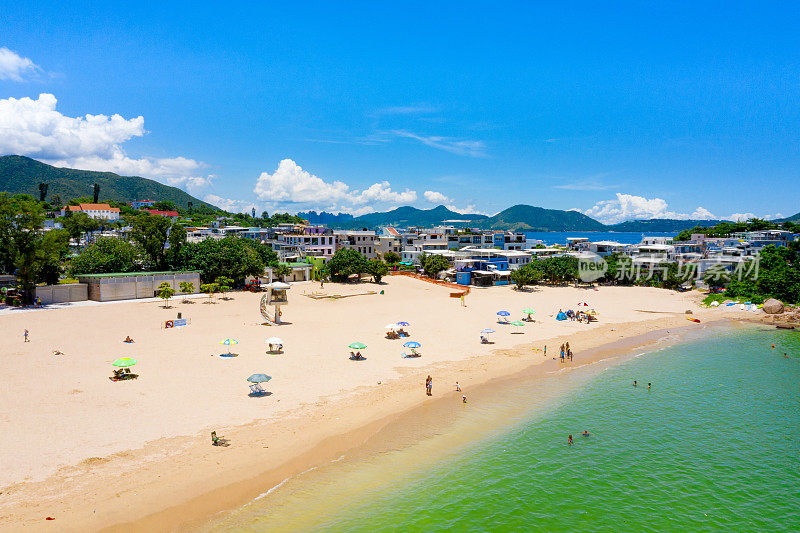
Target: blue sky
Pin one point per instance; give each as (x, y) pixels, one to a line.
(642, 111)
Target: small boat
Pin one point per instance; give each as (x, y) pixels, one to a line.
(693, 319)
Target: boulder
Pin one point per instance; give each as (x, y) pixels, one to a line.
(773, 307)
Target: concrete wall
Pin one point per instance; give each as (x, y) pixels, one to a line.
(68, 292)
(133, 287)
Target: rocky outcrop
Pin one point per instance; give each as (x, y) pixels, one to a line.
(773, 307)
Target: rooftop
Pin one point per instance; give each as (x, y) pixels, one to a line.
(134, 274)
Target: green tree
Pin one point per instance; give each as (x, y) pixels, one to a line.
(165, 292)
(234, 257)
(107, 255)
(434, 264)
(346, 262)
(160, 238)
(779, 273)
(42, 191)
(529, 274)
(281, 271)
(78, 224)
(391, 257)
(186, 287)
(25, 250)
(210, 289)
(225, 284)
(716, 276)
(377, 269)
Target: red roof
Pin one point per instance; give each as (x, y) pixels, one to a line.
(162, 213)
(91, 207)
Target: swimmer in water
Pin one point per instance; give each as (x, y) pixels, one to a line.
(569, 440)
(634, 383)
(585, 433)
(648, 386)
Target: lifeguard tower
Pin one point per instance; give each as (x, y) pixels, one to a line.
(271, 302)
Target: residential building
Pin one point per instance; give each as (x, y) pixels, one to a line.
(604, 248)
(364, 242)
(138, 204)
(98, 211)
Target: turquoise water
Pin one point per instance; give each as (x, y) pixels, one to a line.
(715, 444)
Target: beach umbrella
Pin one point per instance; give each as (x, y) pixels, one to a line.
(528, 311)
(412, 344)
(518, 323)
(229, 342)
(487, 330)
(123, 362)
(503, 313)
(259, 378)
(404, 324)
(357, 346)
(274, 340)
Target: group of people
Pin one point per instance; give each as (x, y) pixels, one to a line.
(564, 352)
(584, 434)
(396, 334)
(356, 356)
(277, 348)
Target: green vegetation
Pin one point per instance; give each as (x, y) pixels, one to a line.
(78, 224)
(346, 262)
(234, 257)
(165, 292)
(210, 289)
(724, 228)
(225, 284)
(433, 264)
(281, 270)
(556, 270)
(377, 269)
(391, 258)
(107, 255)
(186, 287)
(20, 174)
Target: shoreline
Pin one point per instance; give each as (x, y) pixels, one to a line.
(355, 443)
(179, 482)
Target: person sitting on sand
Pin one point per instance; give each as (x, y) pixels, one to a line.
(128, 339)
(484, 340)
(58, 352)
(463, 399)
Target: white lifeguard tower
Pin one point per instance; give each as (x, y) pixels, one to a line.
(271, 303)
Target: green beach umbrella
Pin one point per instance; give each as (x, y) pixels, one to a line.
(123, 362)
(357, 346)
(259, 378)
(528, 311)
(517, 323)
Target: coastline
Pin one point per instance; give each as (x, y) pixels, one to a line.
(159, 491)
(196, 512)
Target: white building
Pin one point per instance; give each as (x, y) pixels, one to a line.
(364, 242)
(97, 211)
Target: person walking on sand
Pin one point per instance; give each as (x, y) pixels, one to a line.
(566, 347)
(26, 336)
(545, 350)
(429, 386)
(458, 387)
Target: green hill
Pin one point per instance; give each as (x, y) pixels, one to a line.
(19, 174)
(410, 216)
(661, 225)
(793, 218)
(529, 218)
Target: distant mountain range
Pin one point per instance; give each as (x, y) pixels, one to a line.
(793, 218)
(19, 174)
(22, 175)
(519, 217)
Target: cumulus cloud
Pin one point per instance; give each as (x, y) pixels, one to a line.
(230, 205)
(33, 127)
(436, 197)
(15, 67)
(630, 207)
(293, 187)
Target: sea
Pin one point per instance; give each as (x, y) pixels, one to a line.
(622, 237)
(708, 440)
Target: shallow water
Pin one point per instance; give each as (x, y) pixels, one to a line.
(714, 444)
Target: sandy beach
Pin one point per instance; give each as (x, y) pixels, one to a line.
(95, 454)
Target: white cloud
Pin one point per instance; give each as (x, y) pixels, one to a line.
(436, 197)
(15, 67)
(454, 146)
(93, 142)
(230, 205)
(630, 207)
(290, 184)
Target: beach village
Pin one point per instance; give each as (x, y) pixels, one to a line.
(273, 371)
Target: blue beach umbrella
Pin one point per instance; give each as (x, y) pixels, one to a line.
(404, 324)
(487, 330)
(412, 344)
(503, 313)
